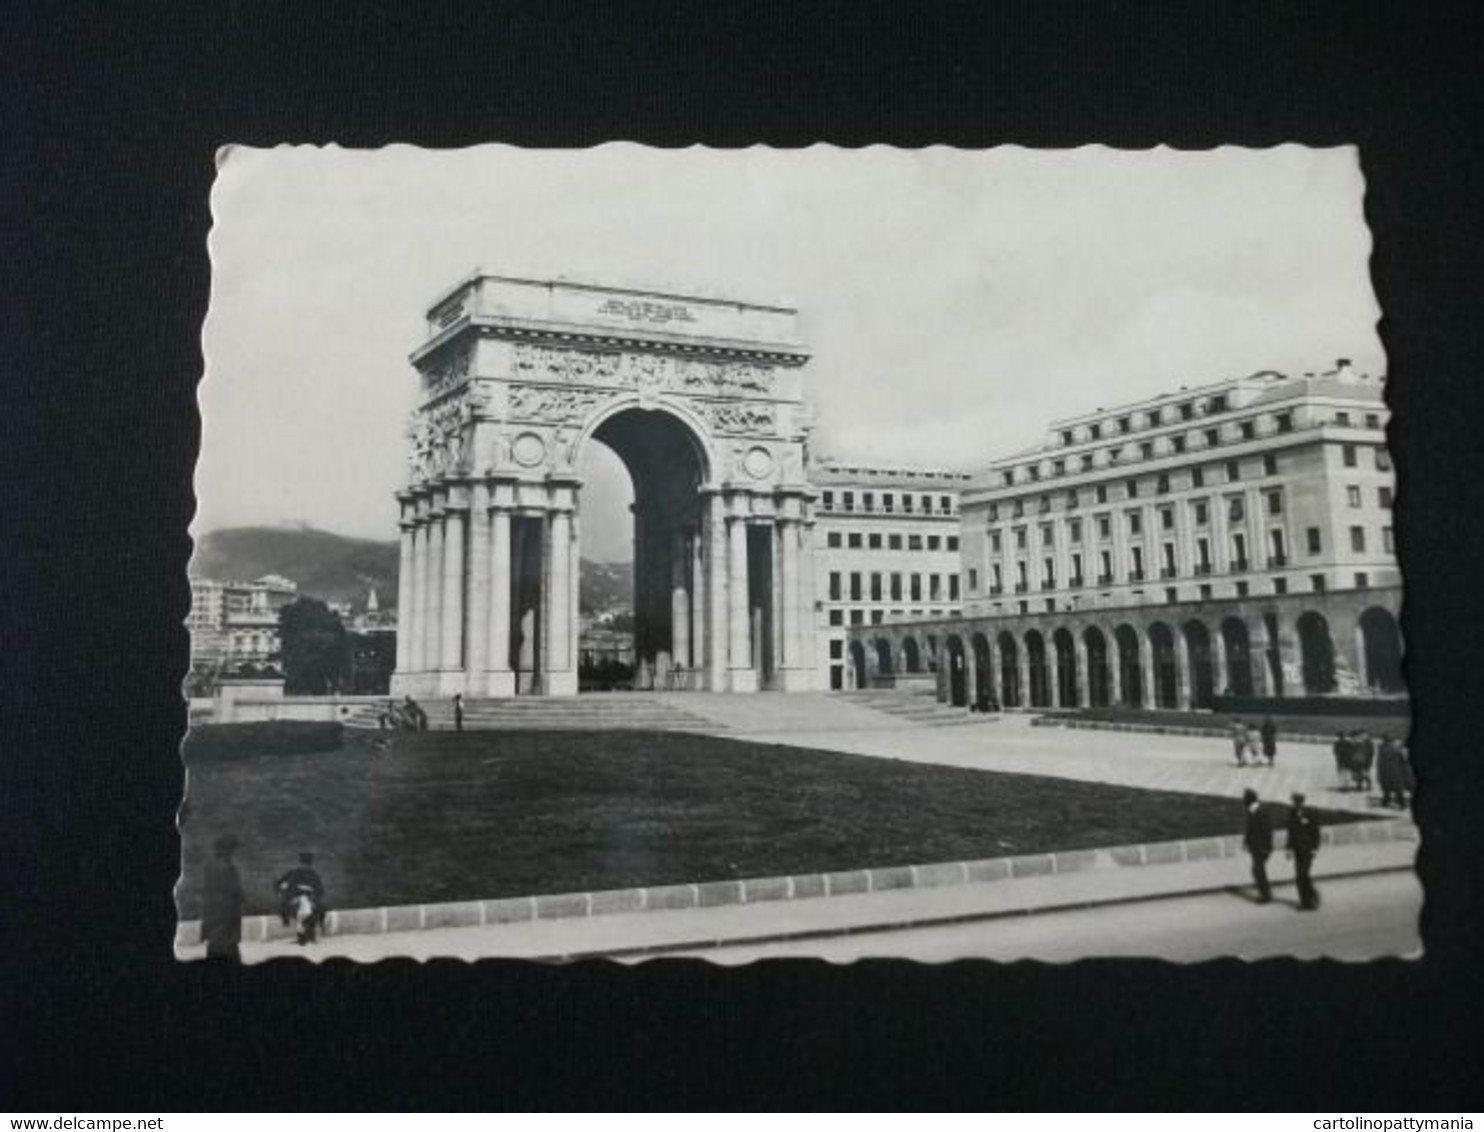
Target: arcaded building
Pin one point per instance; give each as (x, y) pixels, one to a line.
(1234, 537)
(886, 547)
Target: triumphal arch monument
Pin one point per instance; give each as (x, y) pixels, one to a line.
(702, 399)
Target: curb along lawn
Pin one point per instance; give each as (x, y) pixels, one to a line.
(481, 815)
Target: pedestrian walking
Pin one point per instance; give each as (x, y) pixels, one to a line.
(458, 711)
(1257, 839)
(1303, 847)
(1239, 741)
(301, 899)
(221, 903)
(1394, 773)
(1342, 750)
(1269, 732)
(1364, 757)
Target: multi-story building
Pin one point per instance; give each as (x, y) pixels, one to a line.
(1260, 485)
(886, 548)
(235, 623)
(1231, 538)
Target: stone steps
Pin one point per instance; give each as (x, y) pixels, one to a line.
(539, 713)
(918, 707)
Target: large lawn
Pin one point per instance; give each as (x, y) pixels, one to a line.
(444, 816)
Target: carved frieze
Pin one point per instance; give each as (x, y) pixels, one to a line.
(438, 441)
(644, 372)
(535, 403)
(451, 370)
(739, 418)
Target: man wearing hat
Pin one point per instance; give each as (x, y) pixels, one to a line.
(221, 902)
(1303, 845)
(1257, 839)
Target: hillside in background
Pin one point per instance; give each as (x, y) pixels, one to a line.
(337, 568)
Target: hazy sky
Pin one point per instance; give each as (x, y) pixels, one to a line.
(955, 301)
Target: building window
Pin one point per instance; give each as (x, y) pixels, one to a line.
(894, 542)
(1187, 411)
(996, 578)
(1019, 538)
(1087, 461)
(1383, 497)
(914, 592)
(1202, 512)
(1058, 467)
(992, 513)
(1248, 429)
(1146, 450)
(1383, 460)
(1135, 523)
(1074, 530)
(973, 583)
(896, 586)
(832, 540)
(1105, 527)
(1167, 518)
(1284, 422)
(1043, 505)
(868, 500)
(1235, 509)
(1280, 586)
(914, 542)
(1177, 443)
(1386, 541)
(907, 503)
(994, 541)
(855, 587)
(857, 616)
(952, 587)
(875, 587)
(1233, 471)
(829, 501)
(1095, 431)
(1019, 509)
(1362, 581)
(1133, 489)
(1213, 437)
(1312, 535)
(934, 542)
(834, 585)
(1269, 464)
(1316, 581)
(1197, 477)
(1352, 494)
(1216, 404)
(1342, 418)
(1172, 595)
(1162, 485)
(1275, 503)
(1125, 424)
(1348, 455)
(1035, 471)
(1066, 436)
(1357, 540)
(837, 617)
(1072, 500)
(1243, 587)
(853, 540)
(952, 542)
(873, 542)
(849, 499)
(837, 650)
(877, 616)
(1048, 534)
(1205, 591)
(1153, 417)
(935, 589)
(1008, 476)
(1102, 493)
(1373, 420)
(889, 502)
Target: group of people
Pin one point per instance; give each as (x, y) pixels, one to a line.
(1303, 847)
(1245, 743)
(1356, 753)
(300, 892)
(406, 716)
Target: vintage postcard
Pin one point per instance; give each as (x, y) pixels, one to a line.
(828, 553)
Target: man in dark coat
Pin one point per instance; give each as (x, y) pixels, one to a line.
(458, 711)
(221, 903)
(302, 881)
(1393, 773)
(1303, 846)
(1342, 750)
(1269, 740)
(1364, 756)
(1257, 839)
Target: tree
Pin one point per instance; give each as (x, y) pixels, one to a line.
(313, 645)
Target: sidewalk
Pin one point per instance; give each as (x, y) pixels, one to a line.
(654, 933)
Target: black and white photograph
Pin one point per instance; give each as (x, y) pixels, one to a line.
(934, 554)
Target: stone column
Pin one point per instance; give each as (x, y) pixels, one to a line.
(1113, 659)
(500, 680)
(1182, 670)
(971, 671)
(477, 609)
(1258, 644)
(793, 626)
(559, 676)
(451, 656)
(680, 567)
(739, 627)
(717, 553)
(417, 622)
(1080, 676)
(1053, 671)
(1146, 670)
(1219, 670)
(697, 565)
(809, 616)
(404, 597)
(433, 583)
(1023, 673)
